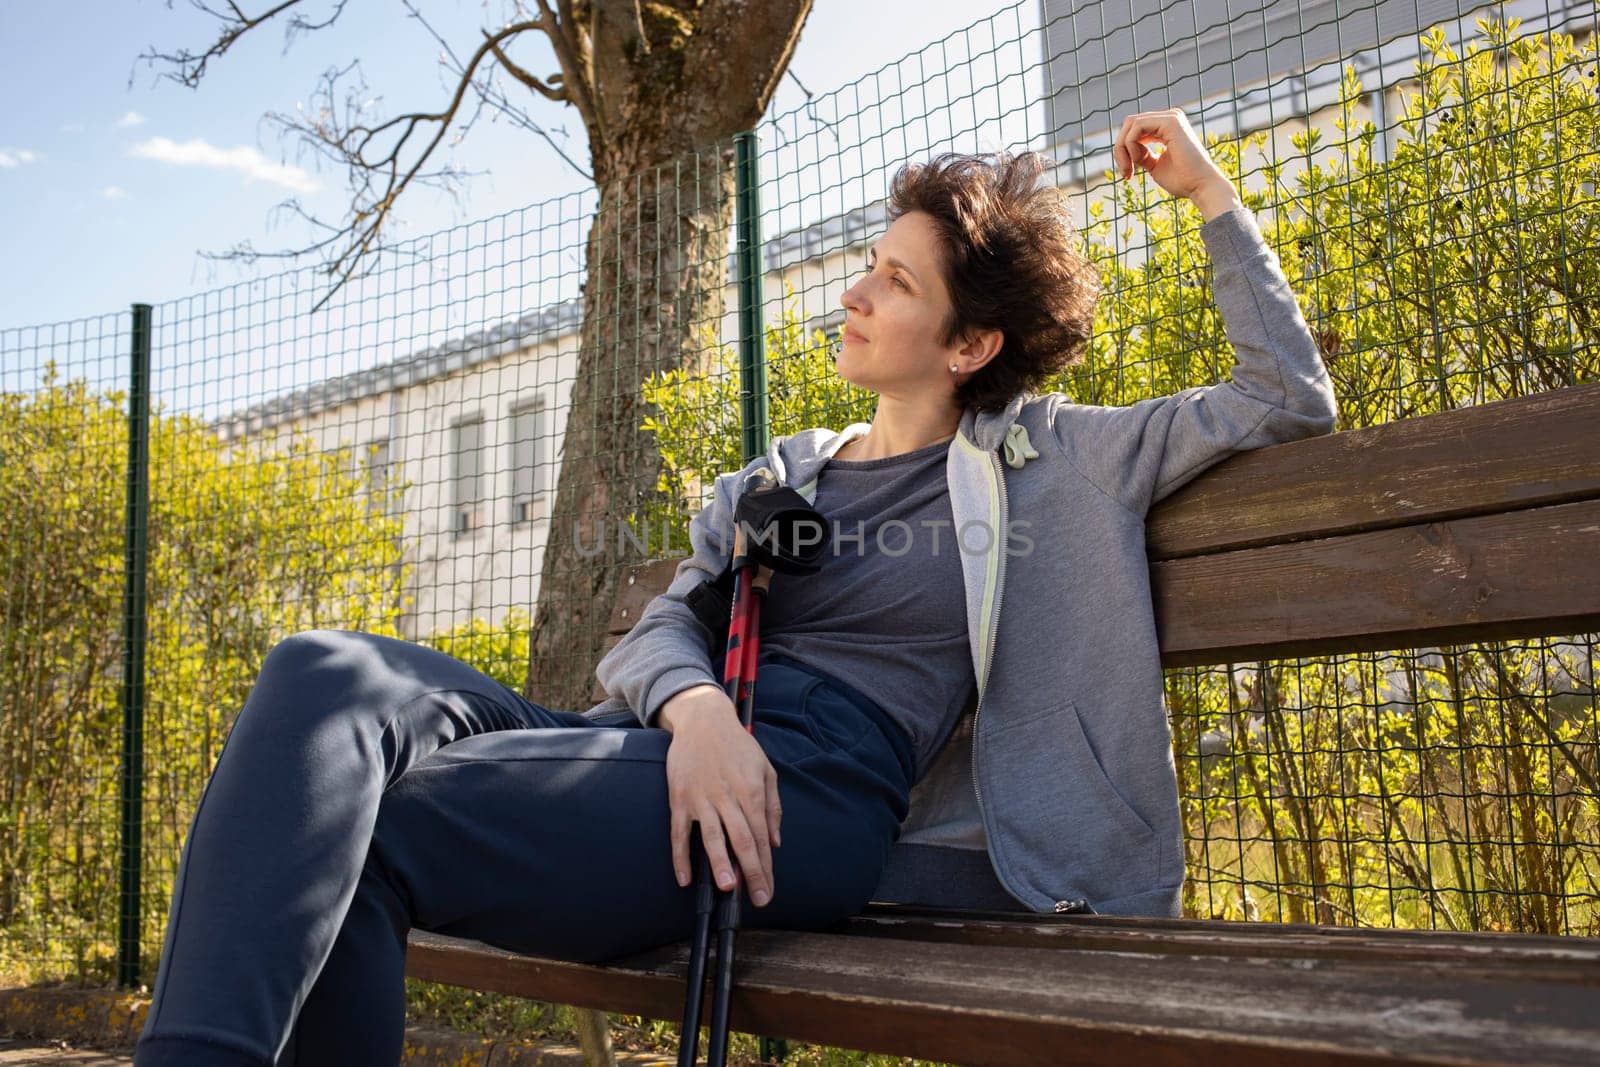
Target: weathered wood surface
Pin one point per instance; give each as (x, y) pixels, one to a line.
(1470, 525)
(1491, 458)
(1519, 574)
(1567, 959)
(1010, 1004)
(639, 586)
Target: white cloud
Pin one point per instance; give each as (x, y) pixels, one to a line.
(132, 118)
(114, 192)
(16, 157)
(242, 158)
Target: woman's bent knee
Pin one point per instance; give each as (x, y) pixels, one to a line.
(309, 642)
(292, 655)
(308, 679)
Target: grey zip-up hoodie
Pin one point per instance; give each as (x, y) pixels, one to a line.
(1066, 776)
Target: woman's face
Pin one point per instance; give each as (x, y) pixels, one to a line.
(895, 314)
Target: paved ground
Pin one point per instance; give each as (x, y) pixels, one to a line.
(27, 1051)
(33, 1052)
(80, 1020)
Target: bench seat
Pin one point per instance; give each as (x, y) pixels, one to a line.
(988, 988)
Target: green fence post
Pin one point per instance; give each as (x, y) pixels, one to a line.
(752, 354)
(752, 331)
(133, 638)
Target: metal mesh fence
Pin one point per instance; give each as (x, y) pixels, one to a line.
(63, 469)
(438, 449)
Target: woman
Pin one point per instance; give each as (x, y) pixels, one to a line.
(373, 785)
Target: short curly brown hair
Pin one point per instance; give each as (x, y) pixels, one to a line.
(1012, 262)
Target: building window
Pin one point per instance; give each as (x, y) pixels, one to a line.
(375, 471)
(466, 478)
(528, 466)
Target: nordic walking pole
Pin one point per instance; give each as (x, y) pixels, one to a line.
(707, 896)
(728, 905)
(785, 524)
(689, 1044)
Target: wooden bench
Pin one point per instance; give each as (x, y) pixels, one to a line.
(1476, 524)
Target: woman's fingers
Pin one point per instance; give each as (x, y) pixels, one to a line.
(732, 827)
(1128, 149)
(1161, 129)
(774, 807)
(718, 777)
(746, 826)
(680, 845)
(760, 827)
(712, 838)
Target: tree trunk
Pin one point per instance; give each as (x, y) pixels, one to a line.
(661, 87)
(657, 255)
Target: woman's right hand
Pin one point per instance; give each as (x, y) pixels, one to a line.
(718, 776)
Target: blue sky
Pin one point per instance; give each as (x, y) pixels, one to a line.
(112, 179)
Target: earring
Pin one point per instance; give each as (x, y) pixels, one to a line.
(952, 368)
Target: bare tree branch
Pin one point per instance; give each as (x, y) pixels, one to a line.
(575, 56)
(381, 159)
(577, 23)
(354, 142)
(558, 95)
(811, 110)
(491, 93)
(191, 66)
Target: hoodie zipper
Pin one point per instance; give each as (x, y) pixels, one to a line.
(1060, 906)
(988, 662)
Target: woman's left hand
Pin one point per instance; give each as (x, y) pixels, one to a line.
(1179, 164)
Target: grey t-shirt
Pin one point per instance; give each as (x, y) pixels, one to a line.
(887, 611)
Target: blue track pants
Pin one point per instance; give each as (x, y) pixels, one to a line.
(372, 785)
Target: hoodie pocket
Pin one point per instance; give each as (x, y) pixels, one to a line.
(1078, 796)
(1094, 769)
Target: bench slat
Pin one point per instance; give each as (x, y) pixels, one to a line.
(640, 585)
(1507, 455)
(1519, 574)
(1523, 573)
(1570, 959)
(980, 1004)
